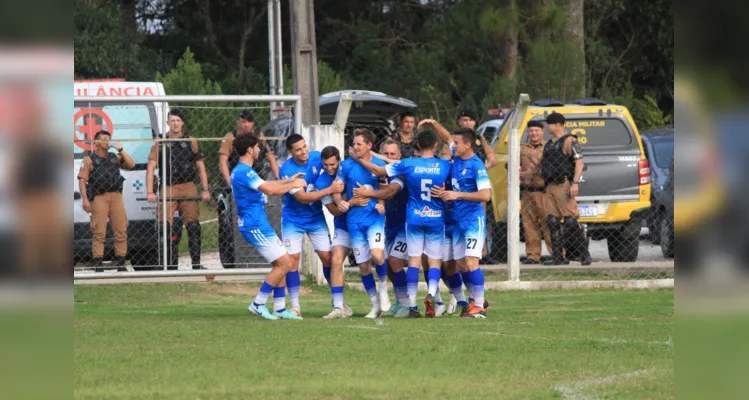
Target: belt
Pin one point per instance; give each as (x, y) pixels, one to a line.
(532, 189)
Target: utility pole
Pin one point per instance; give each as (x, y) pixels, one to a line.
(304, 58)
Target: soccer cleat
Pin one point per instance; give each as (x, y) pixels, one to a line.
(440, 310)
(429, 306)
(296, 311)
(375, 313)
(384, 299)
(336, 313)
(403, 312)
(394, 310)
(452, 305)
(261, 311)
(285, 314)
(486, 303)
(413, 313)
(348, 311)
(474, 312)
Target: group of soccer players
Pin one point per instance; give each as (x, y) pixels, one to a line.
(398, 215)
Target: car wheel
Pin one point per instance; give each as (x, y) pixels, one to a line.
(624, 243)
(226, 235)
(667, 238)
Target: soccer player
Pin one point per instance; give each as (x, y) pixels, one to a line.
(470, 187)
(366, 225)
(395, 229)
(425, 224)
(302, 214)
(249, 193)
(331, 160)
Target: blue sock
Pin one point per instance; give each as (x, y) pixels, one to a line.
(279, 298)
(433, 280)
(293, 282)
(369, 285)
(478, 286)
(412, 286)
(337, 292)
(468, 282)
(326, 272)
(382, 272)
(455, 283)
(400, 283)
(265, 290)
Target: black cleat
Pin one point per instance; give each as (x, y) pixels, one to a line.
(413, 313)
(530, 261)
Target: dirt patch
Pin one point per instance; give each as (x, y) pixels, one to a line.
(554, 309)
(243, 290)
(650, 317)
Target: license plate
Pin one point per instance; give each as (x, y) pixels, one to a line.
(588, 211)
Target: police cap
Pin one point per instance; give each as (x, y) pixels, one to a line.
(246, 115)
(177, 113)
(467, 112)
(555, 118)
(535, 124)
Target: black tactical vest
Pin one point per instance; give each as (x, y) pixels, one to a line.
(180, 162)
(233, 156)
(105, 175)
(258, 166)
(556, 167)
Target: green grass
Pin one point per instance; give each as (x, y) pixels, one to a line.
(197, 341)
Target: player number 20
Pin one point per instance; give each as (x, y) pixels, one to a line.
(471, 243)
(426, 194)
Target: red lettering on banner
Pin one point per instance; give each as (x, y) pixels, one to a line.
(100, 91)
(115, 91)
(127, 91)
(148, 92)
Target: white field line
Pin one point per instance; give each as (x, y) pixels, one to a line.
(577, 389)
(668, 342)
(208, 221)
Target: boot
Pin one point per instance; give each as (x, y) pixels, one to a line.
(194, 243)
(172, 252)
(119, 262)
(575, 242)
(557, 243)
(97, 262)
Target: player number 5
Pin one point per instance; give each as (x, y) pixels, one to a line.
(426, 194)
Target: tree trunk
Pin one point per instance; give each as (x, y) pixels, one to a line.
(575, 33)
(510, 67)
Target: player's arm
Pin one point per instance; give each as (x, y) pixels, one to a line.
(272, 188)
(333, 209)
(306, 197)
(375, 169)
(150, 168)
(385, 193)
(480, 196)
(380, 207)
(442, 132)
(491, 159)
(223, 157)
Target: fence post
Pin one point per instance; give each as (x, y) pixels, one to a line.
(513, 189)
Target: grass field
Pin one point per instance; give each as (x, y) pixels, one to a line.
(197, 341)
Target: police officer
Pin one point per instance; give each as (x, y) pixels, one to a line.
(227, 155)
(184, 163)
(532, 194)
(561, 168)
(100, 183)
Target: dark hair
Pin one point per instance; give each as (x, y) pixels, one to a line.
(246, 115)
(406, 114)
(330, 151)
(102, 132)
(535, 124)
(243, 143)
(293, 138)
(467, 134)
(177, 113)
(555, 118)
(426, 140)
(368, 136)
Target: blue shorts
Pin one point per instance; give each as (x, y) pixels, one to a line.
(395, 243)
(468, 237)
(265, 240)
(293, 233)
(366, 236)
(425, 240)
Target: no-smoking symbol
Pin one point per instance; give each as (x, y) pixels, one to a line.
(88, 121)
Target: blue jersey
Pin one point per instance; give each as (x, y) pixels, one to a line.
(421, 174)
(323, 181)
(293, 210)
(469, 176)
(353, 173)
(250, 201)
(395, 208)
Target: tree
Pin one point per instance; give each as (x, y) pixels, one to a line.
(187, 78)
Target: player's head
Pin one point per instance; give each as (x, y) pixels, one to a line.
(247, 146)
(245, 121)
(363, 141)
(464, 138)
(176, 120)
(555, 121)
(535, 131)
(467, 118)
(426, 141)
(390, 149)
(103, 138)
(443, 149)
(331, 159)
(297, 147)
(407, 122)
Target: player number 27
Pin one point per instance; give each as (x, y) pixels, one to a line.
(471, 243)
(426, 194)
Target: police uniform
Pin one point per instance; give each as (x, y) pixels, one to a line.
(227, 149)
(532, 200)
(558, 171)
(181, 174)
(104, 191)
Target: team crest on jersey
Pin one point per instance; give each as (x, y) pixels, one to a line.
(288, 243)
(464, 171)
(482, 172)
(240, 222)
(314, 170)
(356, 251)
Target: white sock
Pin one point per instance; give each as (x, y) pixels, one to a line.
(438, 296)
(375, 302)
(412, 301)
(279, 303)
(458, 293)
(432, 287)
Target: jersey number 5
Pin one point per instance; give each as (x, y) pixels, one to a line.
(426, 194)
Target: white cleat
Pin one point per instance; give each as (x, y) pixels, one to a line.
(348, 311)
(296, 311)
(402, 313)
(375, 313)
(384, 299)
(439, 310)
(452, 305)
(336, 313)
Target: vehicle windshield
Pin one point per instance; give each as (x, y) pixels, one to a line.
(664, 150)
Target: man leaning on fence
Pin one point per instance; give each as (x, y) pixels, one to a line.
(562, 168)
(100, 183)
(532, 194)
(184, 163)
(228, 158)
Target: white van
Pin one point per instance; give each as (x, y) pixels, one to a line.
(124, 121)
